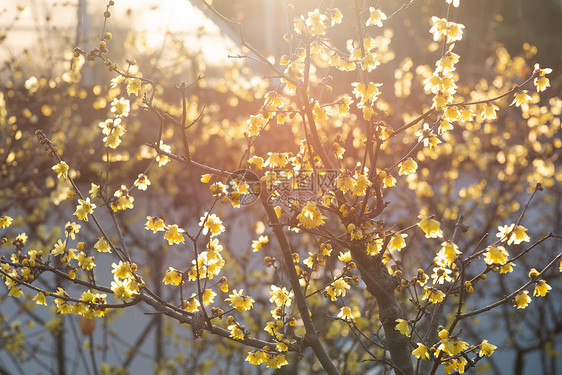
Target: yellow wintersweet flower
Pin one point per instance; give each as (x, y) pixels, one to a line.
(438, 28)
(402, 327)
(507, 268)
(299, 24)
(444, 126)
(452, 113)
(113, 130)
(258, 244)
(94, 190)
(133, 86)
(40, 299)
(22, 238)
(281, 296)
(361, 184)
(258, 357)
(208, 296)
(172, 276)
(345, 182)
(366, 94)
(518, 235)
(211, 223)
(224, 286)
(15, 292)
(123, 201)
(440, 275)
(522, 299)
(331, 293)
(434, 295)
(161, 158)
(486, 349)
(340, 287)
(277, 361)
(448, 254)
(205, 178)
(345, 313)
(319, 113)
(123, 269)
(454, 31)
(345, 102)
(489, 112)
(440, 100)
(251, 358)
(450, 365)
(443, 334)
(407, 167)
(397, 242)
(356, 234)
(239, 301)
(541, 289)
(72, 229)
(455, 3)
(533, 273)
(58, 248)
(521, 97)
(310, 216)
(124, 289)
(155, 224)
(369, 62)
(142, 182)
(432, 83)
(256, 161)
(191, 304)
(427, 136)
(345, 256)
(335, 16)
(255, 124)
(102, 246)
(374, 246)
(117, 81)
(541, 82)
(316, 22)
(496, 255)
(452, 346)
(376, 16)
(466, 114)
(120, 107)
(276, 160)
(368, 112)
(271, 328)
(5, 221)
(61, 169)
(87, 263)
(504, 232)
(85, 207)
(421, 352)
(388, 180)
(174, 234)
(338, 150)
(430, 227)
(446, 64)
(345, 65)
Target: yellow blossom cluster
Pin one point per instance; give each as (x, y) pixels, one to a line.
(126, 283)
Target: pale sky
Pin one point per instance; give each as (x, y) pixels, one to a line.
(31, 30)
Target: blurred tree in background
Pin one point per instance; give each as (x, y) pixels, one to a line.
(317, 187)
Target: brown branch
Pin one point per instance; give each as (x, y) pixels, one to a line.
(312, 339)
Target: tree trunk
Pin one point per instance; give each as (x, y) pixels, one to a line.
(382, 286)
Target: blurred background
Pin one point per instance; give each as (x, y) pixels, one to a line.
(43, 87)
